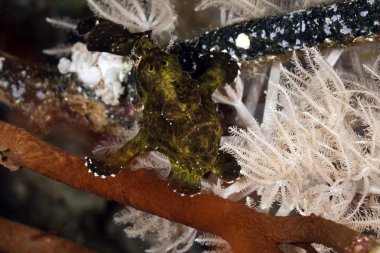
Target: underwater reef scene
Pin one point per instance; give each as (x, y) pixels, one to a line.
(193, 126)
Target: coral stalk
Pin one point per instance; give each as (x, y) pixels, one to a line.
(245, 229)
(19, 238)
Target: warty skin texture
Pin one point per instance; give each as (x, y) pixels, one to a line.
(180, 118)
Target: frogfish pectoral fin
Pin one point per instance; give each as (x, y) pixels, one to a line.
(227, 167)
(184, 181)
(100, 168)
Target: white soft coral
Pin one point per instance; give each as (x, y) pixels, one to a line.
(167, 236)
(232, 11)
(232, 95)
(137, 16)
(83, 63)
(101, 72)
(238, 10)
(319, 151)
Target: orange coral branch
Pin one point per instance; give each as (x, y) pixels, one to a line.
(245, 229)
(19, 238)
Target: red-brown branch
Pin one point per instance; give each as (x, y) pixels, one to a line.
(245, 229)
(19, 238)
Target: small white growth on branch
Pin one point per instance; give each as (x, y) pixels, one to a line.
(101, 72)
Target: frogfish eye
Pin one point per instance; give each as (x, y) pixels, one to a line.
(165, 63)
(150, 68)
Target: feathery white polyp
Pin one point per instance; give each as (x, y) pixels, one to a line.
(137, 16)
(167, 236)
(232, 11)
(321, 153)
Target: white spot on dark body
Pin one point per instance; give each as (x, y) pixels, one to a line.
(363, 13)
(284, 44)
(233, 54)
(263, 35)
(327, 29)
(214, 48)
(40, 95)
(336, 17)
(18, 92)
(303, 26)
(243, 41)
(345, 29)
